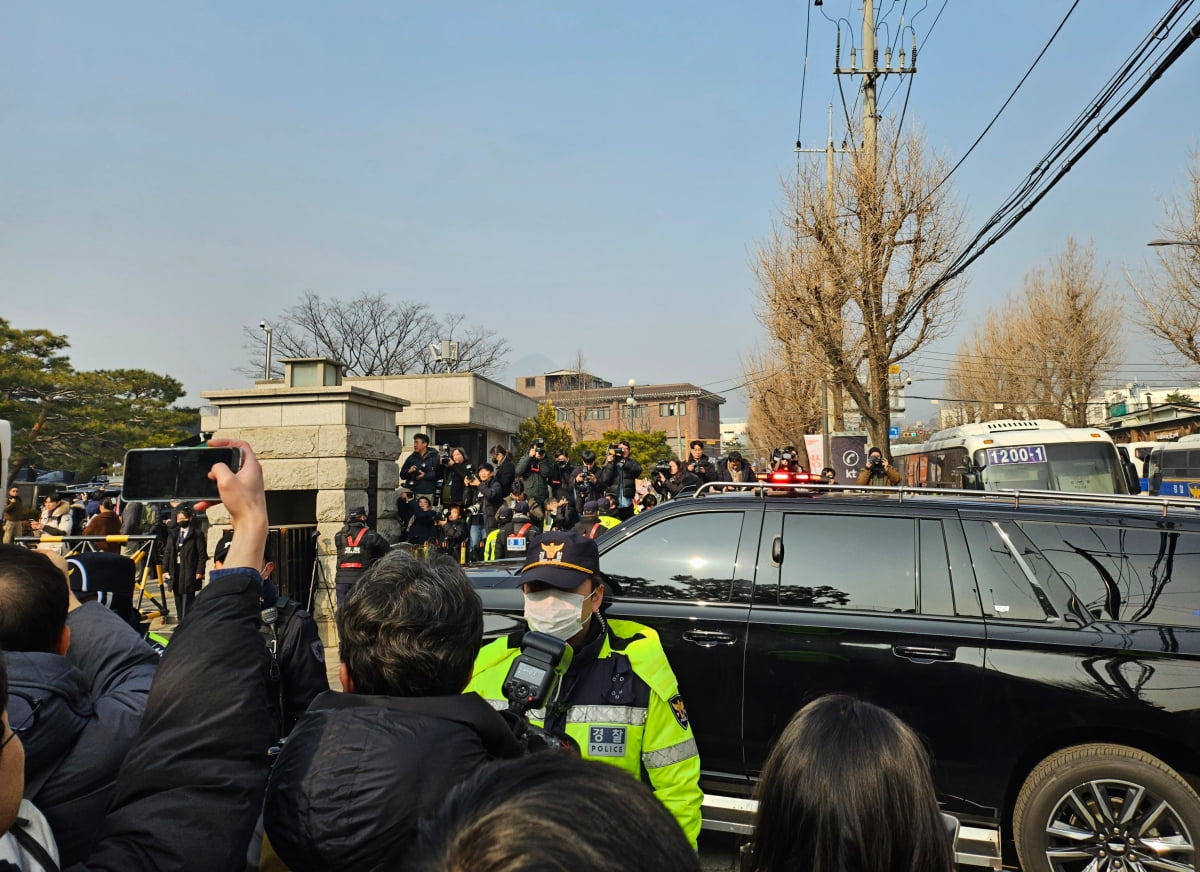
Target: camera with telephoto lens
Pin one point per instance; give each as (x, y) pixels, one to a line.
(531, 682)
(616, 450)
(876, 464)
(585, 483)
(444, 452)
(663, 468)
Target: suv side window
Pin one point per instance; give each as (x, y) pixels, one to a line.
(937, 596)
(1005, 572)
(848, 562)
(685, 557)
(1126, 574)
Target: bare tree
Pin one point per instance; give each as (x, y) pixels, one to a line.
(570, 399)
(1170, 295)
(785, 400)
(843, 277)
(373, 335)
(1044, 352)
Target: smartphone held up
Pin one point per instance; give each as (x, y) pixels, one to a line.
(162, 474)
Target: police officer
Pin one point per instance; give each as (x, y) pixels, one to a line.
(619, 700)
(358, 546)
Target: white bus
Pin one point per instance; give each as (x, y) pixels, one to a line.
(1027, 455)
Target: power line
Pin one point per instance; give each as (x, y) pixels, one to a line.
(1003, 106)
(1061, 159)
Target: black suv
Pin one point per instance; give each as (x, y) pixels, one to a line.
(1046, 647)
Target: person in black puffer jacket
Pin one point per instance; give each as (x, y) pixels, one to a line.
(361, 767)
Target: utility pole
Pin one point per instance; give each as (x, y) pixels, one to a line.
(830, 404)
(870, 70)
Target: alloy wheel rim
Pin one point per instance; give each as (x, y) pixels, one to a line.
(1111, 825)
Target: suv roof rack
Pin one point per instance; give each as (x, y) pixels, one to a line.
(1015, 496)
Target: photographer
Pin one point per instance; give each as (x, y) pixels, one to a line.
(491, 496)
(453, 532)
(423, 527)
(503, 466)
(422, 470)
(619, 686)
(878, 472)
(533, 470)
(561, 472)
(700, 465)
(455, 470)
(409, 636)
(585, 480)
(676, 479)
(620, 477)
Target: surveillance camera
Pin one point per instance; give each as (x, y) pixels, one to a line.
(262, 325)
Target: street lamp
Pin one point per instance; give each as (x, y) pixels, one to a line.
(265, 328)
(631, 402)
(1160, 242)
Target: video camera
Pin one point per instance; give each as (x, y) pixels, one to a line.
(616, 450)
(531, 682)
(663, 468)
(444, 454)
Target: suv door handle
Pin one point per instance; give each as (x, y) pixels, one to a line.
(709, 638)
(917, 652)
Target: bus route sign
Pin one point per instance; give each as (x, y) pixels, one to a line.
(1016, 454)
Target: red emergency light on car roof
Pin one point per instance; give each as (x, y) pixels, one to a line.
(785, 476)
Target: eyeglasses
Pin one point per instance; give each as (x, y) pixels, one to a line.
(26, 722)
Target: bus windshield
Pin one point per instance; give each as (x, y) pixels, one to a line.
(1082, 467)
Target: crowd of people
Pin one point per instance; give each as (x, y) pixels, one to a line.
(225, 753)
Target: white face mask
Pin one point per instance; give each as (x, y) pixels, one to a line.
(556, 612)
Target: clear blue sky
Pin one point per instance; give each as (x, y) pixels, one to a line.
(579, 176)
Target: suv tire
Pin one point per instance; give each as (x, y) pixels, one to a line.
(1071, 812)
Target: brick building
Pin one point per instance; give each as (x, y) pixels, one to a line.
(590, 405)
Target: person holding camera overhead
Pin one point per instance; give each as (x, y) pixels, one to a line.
(533, 470)
(878, 472)
(422, 470)
(620, 477)
(619, 699)
(586, 480)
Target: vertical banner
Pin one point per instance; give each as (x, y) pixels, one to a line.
(816, 456)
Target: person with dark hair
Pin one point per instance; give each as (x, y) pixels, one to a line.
(422, 469)
(509, 817)
(648, 501)
(735, 468)
(847, 788)
(454, 470)
(184, 558)
(678, 481)
(829, 474)
(700, 465)
(506, 473)
(561, 471)
(619, 479)
(361, 767)
(105, 523)
(358, 547)
(878, 471)
(453, 534)
(533, 470)
(422, 528)
(586, 480)
(619, 700)
(90, 672)
(491, 496)
(14, 515)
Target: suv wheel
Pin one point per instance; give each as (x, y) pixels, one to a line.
(1105, 807)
